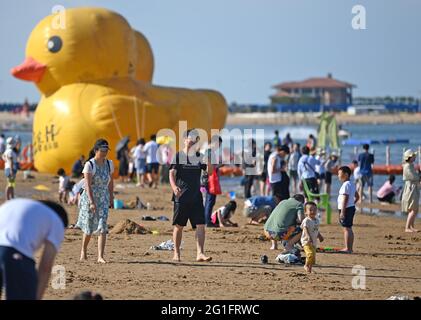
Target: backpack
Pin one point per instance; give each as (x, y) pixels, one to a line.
(93, 166)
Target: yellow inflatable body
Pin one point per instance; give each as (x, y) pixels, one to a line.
(95, 77)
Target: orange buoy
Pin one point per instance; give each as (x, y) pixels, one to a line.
(230, 171)
(382, 169)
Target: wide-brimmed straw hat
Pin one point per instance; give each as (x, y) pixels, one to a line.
(10, 142)
(409, 154)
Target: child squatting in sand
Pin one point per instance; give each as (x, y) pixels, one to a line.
(310, 227)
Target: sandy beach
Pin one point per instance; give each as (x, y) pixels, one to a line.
(134, 271)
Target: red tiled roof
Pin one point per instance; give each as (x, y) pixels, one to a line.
(314, 83)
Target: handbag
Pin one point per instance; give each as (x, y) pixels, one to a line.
(214, 186)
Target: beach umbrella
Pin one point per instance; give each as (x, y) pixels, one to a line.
(122, 143)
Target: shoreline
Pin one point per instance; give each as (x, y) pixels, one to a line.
(17, 122)
(274, 118)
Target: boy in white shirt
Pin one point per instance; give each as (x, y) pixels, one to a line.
(347, 198)
(63, 181)
(310, 227)
(10, 168)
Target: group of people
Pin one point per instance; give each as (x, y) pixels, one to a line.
(142, 162)
(294, 220)
(287, 219)
(280, 168)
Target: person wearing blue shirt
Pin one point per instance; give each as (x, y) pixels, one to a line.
(366, 161)
(77, 167)
(307, 169)
(258, 208)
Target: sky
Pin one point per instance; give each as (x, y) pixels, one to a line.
(244, 47)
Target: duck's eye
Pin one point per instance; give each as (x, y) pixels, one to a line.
(54, 44)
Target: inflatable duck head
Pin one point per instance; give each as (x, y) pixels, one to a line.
(95, 75)
(92, 44)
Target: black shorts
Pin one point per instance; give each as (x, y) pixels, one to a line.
(276, 188)
(313, 185)
(193, 211)
(328, 177)
(152, 168)
(18, 275)
(349, 217)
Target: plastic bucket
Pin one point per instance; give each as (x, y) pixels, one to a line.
(118, 204)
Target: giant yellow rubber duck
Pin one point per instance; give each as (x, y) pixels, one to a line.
(95, 77)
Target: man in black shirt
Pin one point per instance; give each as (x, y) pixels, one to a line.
(185, 172)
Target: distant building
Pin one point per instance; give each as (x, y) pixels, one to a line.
(313, 91)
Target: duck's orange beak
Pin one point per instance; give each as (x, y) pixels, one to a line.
(30, 70)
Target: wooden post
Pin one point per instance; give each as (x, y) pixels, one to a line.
(387, 155)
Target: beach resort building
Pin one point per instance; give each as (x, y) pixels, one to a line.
(325, 91)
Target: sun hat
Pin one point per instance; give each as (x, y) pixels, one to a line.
(10, 141)
(409, 154)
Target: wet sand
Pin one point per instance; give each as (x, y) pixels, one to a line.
(390, 257)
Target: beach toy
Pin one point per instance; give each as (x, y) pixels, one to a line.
(232, 195)
(264, 259)
(118, 204)
(41, 187)
(155, 232)
(95, 77)
(148, 218)
(328, 249)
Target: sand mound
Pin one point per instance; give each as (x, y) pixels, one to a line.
(129, 227)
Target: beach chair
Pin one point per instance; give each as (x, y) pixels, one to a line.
(323, 201)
